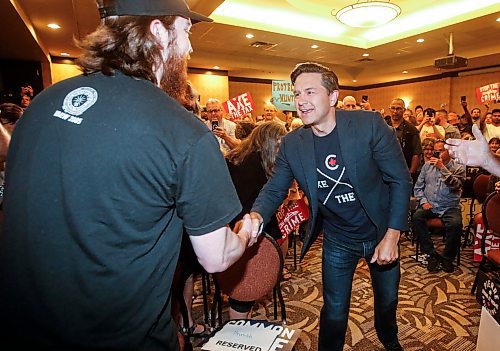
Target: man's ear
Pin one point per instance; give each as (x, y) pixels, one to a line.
(159, 32)
(334, 96)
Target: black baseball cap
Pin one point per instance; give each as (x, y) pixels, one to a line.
(150, 8)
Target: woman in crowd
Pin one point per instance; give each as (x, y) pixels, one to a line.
(250, 165)
(494, 144)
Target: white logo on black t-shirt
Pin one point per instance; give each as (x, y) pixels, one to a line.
(76, 103)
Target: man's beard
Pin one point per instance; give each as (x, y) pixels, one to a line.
(174, 78)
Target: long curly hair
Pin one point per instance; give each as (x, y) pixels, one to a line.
(264, 139)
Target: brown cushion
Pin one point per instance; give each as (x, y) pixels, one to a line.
(255, 274)
(435, 223)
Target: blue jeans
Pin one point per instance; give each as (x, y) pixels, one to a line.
(452, 220)
(340, 259)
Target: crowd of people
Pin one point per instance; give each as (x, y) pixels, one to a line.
(117, 181)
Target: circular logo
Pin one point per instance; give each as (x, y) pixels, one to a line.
(331, 162)
(79, 100)
(490, 297)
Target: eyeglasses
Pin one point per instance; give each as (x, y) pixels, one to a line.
(394, 108)
(213, 111)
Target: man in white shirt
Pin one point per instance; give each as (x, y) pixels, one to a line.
(220, 126)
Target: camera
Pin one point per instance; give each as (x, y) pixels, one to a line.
(364, 98)
(215, 124)
(436, 154)
(463, 98)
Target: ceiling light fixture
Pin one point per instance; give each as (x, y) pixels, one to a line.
(421, 40)
(249, 35)
(314, 46)
(215, 67)
(405, 72)
(368, 14)
(53, 25)
(64, 54)
(365, 54)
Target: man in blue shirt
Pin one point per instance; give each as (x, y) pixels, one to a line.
(438, 190)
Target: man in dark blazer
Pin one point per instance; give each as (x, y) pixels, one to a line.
(352, 169)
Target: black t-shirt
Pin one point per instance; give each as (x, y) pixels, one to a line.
(409, 139)
(342, 213)
(103, 173)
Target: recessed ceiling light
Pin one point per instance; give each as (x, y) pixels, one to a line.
(354, 80)
(420, 40)
(215, 67)
(64, 54)
(53, 25)
(498, 19)
(405, 72)
(314, 46)
(249, 35)
(366, 54)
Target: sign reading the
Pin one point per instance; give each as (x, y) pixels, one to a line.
(289, 217)
(239, 106)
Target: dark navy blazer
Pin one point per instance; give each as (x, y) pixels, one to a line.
(374, 163)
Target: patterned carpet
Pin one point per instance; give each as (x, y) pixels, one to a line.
(436, 311)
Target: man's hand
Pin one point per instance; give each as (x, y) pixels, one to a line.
(244, 228)
(257, 223)
(387, 251)
(220, 132)
(470, 152)
(436, 162)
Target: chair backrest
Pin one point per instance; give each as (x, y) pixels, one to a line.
(480, 187)
(256, 273)
(491, 213)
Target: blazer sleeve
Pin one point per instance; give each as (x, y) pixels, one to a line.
(388, 155)
(276, 189)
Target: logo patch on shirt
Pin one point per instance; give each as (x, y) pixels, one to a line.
(76, 103)
(331, 162)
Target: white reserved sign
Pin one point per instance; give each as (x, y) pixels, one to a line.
(252, 335)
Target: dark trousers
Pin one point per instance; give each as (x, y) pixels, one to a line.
(452, 220)
(340, 259)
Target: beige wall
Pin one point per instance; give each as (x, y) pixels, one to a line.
(444, 92)
(437, 93)
(61, 71)
(210, 86)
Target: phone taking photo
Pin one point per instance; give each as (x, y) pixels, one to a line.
(436, 154)
(463, 98)
(364, 98)
(215, 124)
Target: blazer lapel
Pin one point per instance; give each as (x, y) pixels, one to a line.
(308, 161)
(347, 140)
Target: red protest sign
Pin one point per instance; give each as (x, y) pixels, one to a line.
(490, 92)
(290, 217)
(239, 106)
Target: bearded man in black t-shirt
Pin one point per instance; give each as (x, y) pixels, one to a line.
(105, 170)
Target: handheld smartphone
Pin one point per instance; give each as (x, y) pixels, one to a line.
(436, 154)
(463, 98)
(364, 98)
(215, 124)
